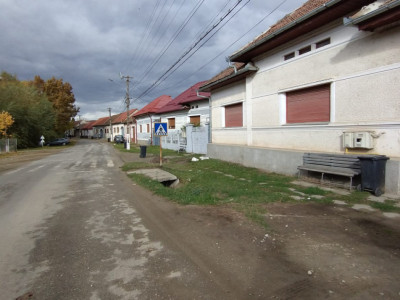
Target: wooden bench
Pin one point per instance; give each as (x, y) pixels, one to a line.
(336, 164)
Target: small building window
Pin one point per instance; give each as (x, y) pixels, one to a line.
(195, 120)
(288, 56)
(234, 115)
(323, 43)
(171, 123)
(305, 50)
(148, 128)
(141, 129)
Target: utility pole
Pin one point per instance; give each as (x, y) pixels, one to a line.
(111, 131)
(127, 101)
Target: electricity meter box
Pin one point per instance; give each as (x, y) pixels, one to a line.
(361, 140)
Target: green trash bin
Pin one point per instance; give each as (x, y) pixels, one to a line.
(373, 172)
(143, 151)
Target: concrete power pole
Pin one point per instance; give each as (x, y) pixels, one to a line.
(111, 131)
(127, 101)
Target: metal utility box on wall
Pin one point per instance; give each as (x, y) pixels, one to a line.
(348, 140)
(362, 140)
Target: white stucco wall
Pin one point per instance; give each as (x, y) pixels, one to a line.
(364, 72)
(144, 137)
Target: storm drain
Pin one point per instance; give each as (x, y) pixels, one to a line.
(164, 177)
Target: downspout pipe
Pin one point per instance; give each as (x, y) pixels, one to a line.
(210, 113)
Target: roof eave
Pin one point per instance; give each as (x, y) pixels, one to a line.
(374, 13)
(248, 69)
(241, 54)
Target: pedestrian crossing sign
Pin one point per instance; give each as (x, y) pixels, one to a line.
(160, 129)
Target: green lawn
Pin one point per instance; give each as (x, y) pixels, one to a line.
(215, 182)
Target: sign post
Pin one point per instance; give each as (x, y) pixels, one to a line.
(160, 129)
(42, 141)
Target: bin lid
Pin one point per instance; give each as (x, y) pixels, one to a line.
(374, 157)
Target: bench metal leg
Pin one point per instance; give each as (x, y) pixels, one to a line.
(322, 178)
(351, 183)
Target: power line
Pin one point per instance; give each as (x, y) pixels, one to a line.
(223, 51)
(191, 48)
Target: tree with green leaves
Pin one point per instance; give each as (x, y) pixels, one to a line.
(31, 111)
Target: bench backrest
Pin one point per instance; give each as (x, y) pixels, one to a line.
(332, 160)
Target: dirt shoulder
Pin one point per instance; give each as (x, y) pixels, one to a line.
(15, 160)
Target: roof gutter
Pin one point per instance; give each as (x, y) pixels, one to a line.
(249, 67)
(316, 11)
(349, 21)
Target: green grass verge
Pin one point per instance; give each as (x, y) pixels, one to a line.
(215, 182)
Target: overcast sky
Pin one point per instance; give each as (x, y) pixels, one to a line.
(88, 43)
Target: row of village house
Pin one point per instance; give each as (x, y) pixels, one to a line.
(325, 78)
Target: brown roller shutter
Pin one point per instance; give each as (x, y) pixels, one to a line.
(308, 105)
(234, 115)
(171, 123)
(195, 120)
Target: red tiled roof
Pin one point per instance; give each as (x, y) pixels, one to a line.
(225, 73)
(88, 125)
(190, 95)
(154, 106)
(101, 122)
(121, 118)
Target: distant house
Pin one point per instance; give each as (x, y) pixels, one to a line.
(119, 125)
(86, 129)
(322, 79)
(99, 127)
(145, 118)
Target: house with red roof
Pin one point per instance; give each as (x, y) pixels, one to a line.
(119, 125)
(145, 118)
(322, 79)
(86, 129)
(188, 109)
(99, 127)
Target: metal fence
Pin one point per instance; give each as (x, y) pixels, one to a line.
(8, 145)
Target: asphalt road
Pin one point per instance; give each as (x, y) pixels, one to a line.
(69, 229)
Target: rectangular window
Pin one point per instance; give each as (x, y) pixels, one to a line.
(323, 43)
(141, 129)
(288, 56)
(305, 50)
(195, 120)
(171, 123)
(308, 105)
(148, 127)
(234, 115)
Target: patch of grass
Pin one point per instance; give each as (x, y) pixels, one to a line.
(212, 182)
(215, 182)
(150, 149)
(387, 206)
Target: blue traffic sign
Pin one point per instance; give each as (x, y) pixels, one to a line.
(160, 129)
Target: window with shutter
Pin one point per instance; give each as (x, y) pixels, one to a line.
(234, 115)
(308, 105)
(171, 123)
(195, 120)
